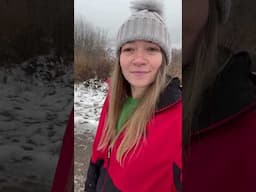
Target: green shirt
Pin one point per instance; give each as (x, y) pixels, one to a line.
(127, 109)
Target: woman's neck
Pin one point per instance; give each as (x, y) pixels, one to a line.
(137, 92)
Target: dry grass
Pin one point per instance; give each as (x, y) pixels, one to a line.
(175, 68)
(91, 57)
(90, 66)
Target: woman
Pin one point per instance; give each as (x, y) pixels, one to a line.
(137, 147)
(219, 118)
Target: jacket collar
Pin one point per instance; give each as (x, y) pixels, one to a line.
(231, 94)
(170, 95)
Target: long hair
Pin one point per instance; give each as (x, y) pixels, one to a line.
(135, 126)
(201, 75)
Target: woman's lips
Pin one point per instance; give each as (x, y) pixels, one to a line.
(139, 73)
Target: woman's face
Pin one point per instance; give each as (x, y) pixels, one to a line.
(140, 62)
(194, 19)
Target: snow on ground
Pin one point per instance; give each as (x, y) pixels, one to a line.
(88, 100)
(33, 117)
(34, 111)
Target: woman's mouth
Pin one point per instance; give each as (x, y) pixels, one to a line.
(139, 72)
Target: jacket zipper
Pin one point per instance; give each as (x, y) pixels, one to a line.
(109, 152)
(108, 163)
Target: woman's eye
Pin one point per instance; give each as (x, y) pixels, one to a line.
(128, 49)
(153, 49)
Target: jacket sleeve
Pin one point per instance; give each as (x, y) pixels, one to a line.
(63, 178)
(97, 158)
(177, 170)
(92, 176)
(177, 177)
(177, 159)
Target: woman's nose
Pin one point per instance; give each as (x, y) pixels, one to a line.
(139, 57)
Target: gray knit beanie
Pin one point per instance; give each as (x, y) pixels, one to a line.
(146, 23)
(224, 7)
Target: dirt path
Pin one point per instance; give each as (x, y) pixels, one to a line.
(83, 145)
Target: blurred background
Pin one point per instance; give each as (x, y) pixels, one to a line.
(36, 83)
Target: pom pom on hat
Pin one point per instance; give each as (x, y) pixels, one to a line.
(150, 5)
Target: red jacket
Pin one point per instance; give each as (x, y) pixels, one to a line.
(64, 174)
(157, 164)
(222, 155)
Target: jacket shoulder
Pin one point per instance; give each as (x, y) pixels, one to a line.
(170, 95)
(243, 59)
(232, 91)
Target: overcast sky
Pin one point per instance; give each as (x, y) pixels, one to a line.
(110, 14)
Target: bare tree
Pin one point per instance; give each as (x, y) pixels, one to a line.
(92, 58)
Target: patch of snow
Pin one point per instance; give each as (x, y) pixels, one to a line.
(88, 100)
(89, 97)
(33, 108)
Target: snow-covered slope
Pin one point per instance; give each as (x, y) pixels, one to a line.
(89, 98)
(36, 98)
(88, 101)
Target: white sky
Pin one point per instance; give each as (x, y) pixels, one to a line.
(110, 14)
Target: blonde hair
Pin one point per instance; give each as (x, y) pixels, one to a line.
(201, 75)
(135, 126)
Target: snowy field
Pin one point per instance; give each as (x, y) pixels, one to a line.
(36, 99)
(33, 117)
(88, 100)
